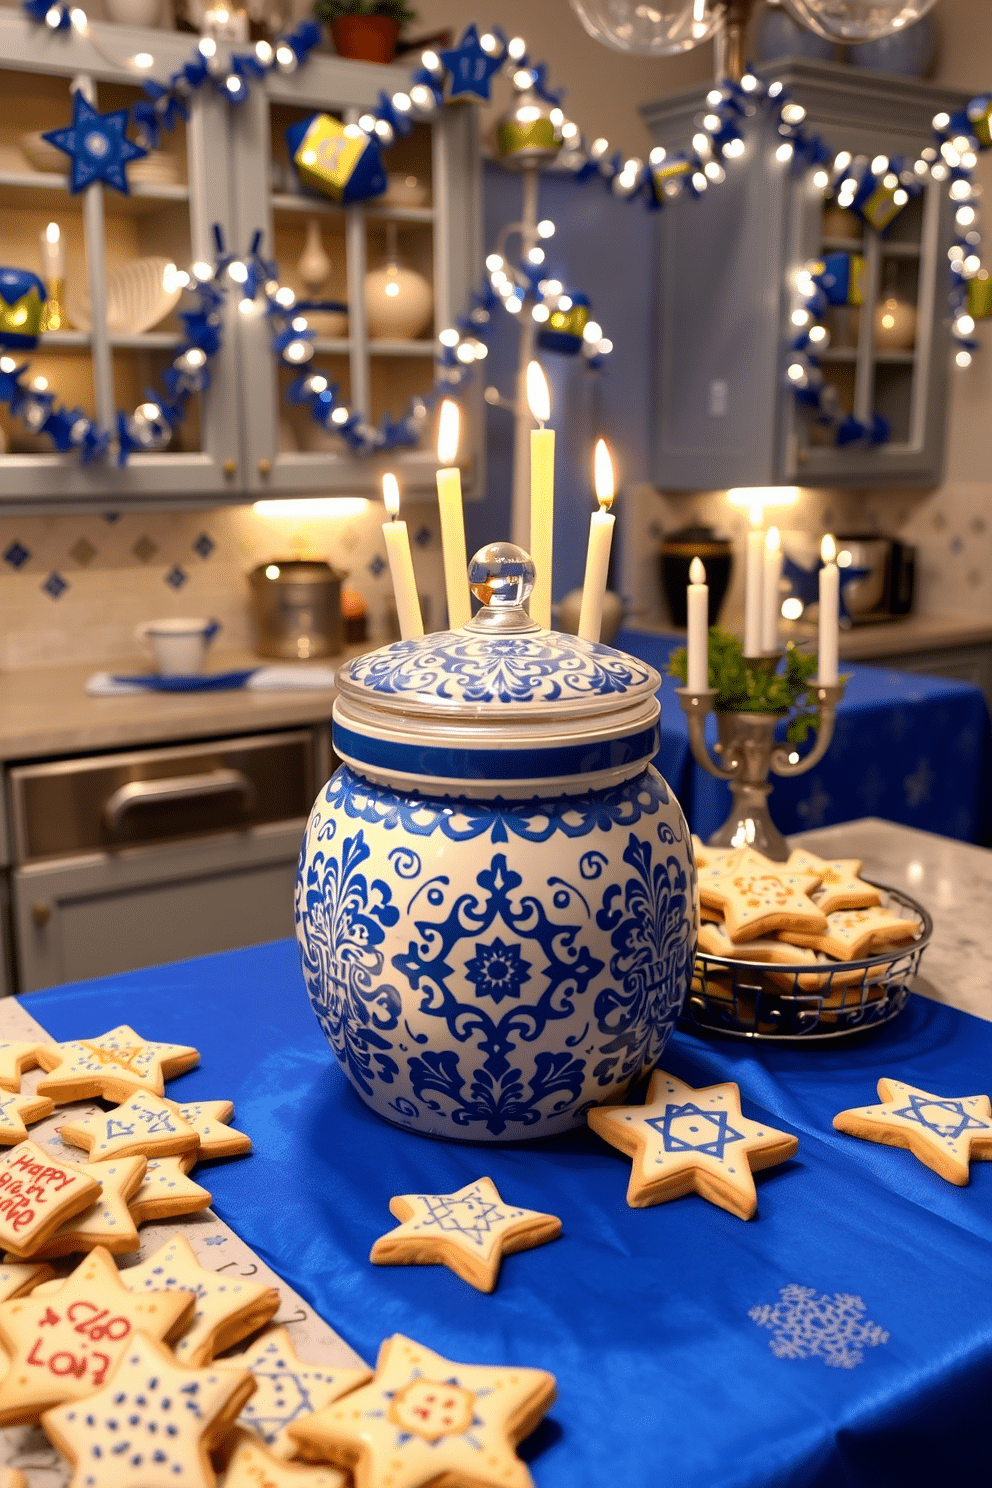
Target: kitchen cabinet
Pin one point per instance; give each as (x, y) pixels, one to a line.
(227, 166)
(726, 415)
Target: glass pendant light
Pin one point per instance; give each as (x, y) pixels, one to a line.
(857, 20)
(651, 28)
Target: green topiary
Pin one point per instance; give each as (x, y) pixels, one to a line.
(333, 10)
(746, 689)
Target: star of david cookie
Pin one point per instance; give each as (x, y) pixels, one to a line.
(16, 1056)
(286, 1390)
(152, 1424)
(469, 1232)
(944, 1132)
(853, 933)
(113, 1066)
(166, 1191)
(20, 1277)
(692, 1141)
(209, 1120)
(252, 1466)
(17, 1112)
(145, 1125)
(755, 903)
(37, 1194)
(107, 1222)
(228, 1308)
(424, 1420)
(62, 1346)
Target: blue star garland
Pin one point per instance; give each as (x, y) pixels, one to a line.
(470, 68)
(97, 145)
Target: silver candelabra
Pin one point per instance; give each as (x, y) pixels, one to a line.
(748, 752)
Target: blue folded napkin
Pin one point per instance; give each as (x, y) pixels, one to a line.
(287, 678)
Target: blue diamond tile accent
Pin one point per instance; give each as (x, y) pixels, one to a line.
(175, 577)
(55, 585)
(423, 537)
(377, 565)
(204, 545)
(16, 554)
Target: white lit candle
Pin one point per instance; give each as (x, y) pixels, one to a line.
(449, 500)
(697, 638)
(52, 253)
(542, 494)
(829, 612)
(770, 591)
(600, 542)
(753, 585)
(401, 563)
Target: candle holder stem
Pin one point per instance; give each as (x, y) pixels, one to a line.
(748, 753)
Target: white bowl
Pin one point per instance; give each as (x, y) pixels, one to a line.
(137, 298)
(43, 155)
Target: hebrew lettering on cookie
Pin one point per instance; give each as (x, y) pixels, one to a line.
(63, 1345)
(754, 904)
(37, 1194)
(145, 1125)
(469, 1231)
(854, 933)
(692, 1141)
(166, 1190)
(944, 1132)
(228, 1308)
(108, 1221)
(152, 1424)
(16, 1056)
(17, 1111)
(424, 1419)
(113, 1065)
(286, 1389)
(209, 1120)
(252, 1466)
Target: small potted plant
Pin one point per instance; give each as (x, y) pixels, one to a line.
(366, 30)
(743, 688)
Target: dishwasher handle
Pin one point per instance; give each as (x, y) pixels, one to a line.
(174, 788)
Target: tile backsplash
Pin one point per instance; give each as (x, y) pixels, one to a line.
(73, 588)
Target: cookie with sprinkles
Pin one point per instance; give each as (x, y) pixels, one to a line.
(112, 1065)
(17, 1278)
(16, 1056)
(152, 1425)
(144, 1125)
(252, 1466)
(945, 1132)
(287, 1389)
(209, 1119)
(853, 933)
(17, 1112)
(754, 904)
(167, 1191)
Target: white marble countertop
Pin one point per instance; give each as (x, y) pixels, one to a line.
(952, 880)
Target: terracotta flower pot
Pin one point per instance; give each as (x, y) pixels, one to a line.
(366, 38)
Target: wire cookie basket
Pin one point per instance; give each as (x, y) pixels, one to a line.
(826, 1000)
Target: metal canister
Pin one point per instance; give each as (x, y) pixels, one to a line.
(297, 607)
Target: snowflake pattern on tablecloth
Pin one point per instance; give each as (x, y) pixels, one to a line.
(806, 1324)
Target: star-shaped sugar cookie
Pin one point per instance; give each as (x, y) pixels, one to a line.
(17, 1111)
(209, 1120)
(714, 940)
(944, 1132)
(252, 1466)
(286, 1389)
(424, 1419)
(145, 1125)
(113, 1065)
(801, 860)
(692, 1141)
(469, 1232)
(37, 1194)
(16, 1056)
(756, 902)
(228, 1308)
(152, 1424)
(853, 933)
(20, 1277)
(842, 888)
(108, 1222)
(166, 1191)
(63, 1345)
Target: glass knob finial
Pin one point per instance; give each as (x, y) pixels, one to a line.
(501, 575)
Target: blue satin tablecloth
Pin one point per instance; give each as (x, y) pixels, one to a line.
(907, 748)
(843, 1337)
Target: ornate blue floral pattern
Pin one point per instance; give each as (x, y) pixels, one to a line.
(497, 970)
(458, 666)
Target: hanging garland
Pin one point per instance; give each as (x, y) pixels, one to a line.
(876, 189)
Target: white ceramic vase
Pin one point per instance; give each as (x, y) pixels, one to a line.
(399, 303)
(134, 12)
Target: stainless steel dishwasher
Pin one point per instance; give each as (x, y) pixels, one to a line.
(128, 860)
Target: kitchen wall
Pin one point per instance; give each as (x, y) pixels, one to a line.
(72, 589)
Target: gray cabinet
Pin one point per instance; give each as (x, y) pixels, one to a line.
(225, 166)
(726, 415)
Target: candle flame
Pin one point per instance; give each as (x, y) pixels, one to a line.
(603, 476)
(391, 494)
(828, 549)
(53, 232)
(757, 515)
(538, 393)
(448, 429)
(773, 541)
(697, 573)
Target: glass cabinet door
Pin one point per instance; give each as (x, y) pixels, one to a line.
(116, 328)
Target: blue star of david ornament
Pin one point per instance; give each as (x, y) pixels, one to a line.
(470, 67)
(97, 145)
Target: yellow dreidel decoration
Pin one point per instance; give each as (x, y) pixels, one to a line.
(338, 160)
(22, 304)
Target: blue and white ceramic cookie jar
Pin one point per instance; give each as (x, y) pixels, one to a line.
(496, 905)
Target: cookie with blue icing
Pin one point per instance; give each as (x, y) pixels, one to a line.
(146, 1125)
(112, 1065)
(946, 1132)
